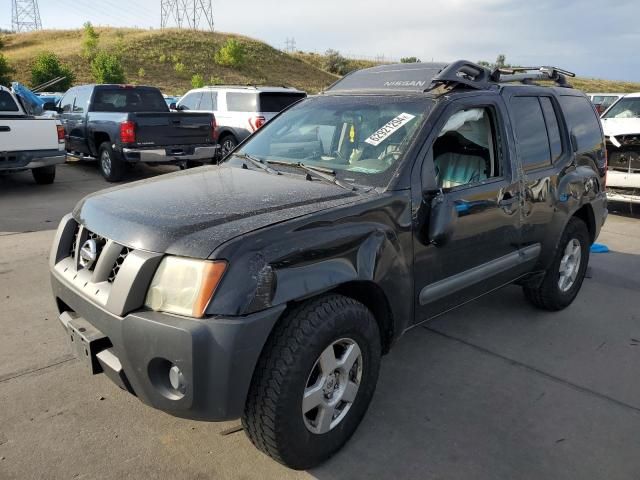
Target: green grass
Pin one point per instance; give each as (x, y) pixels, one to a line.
(157, 52)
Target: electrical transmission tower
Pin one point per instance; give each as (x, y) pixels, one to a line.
(290, 45)
(193, 14)
(25, 16)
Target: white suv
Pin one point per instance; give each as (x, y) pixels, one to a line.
(239, 110)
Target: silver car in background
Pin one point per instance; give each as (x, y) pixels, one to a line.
(239, 110)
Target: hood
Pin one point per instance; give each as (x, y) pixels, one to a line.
(620, 126)
(193, 212)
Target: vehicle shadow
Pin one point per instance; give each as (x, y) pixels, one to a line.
(624, 209)
(500, 390)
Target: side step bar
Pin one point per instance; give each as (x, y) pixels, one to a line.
(76, 157)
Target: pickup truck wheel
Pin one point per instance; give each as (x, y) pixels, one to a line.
(314, 381)
(44, 175)
(564, 278)
(111, 165)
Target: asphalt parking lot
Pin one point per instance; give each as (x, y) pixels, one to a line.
(494, 390)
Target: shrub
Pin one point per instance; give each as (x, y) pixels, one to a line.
(231, 54)
(163, 58)
(179, 67)
(141, 72)
(409, 60)
(46, 67)
(335, 63)
(5, 71)
(213, 80)
(90, 42)
(197, 81)
(107, 68)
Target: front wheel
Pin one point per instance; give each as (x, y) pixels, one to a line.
(563, 280)
(111, 165)
(44, 175)
(314, 381)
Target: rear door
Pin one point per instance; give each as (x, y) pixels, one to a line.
(76, 121)
(66, 105)
(469, 169)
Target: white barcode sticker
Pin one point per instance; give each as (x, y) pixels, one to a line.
(389, 129)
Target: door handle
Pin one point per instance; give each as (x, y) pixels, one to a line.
(4, 128)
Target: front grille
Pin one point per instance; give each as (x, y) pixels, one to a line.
(72, 252)
(118, 263)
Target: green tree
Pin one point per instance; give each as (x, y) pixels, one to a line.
(231, 54)
(46, 67)
(197, 81)
(141, 72)
(501, 61)
(107, 68)
(335, 63)
(90, 41)
(409, 60)
(5, 71)
(179, 67)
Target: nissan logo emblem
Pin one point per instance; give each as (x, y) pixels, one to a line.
(88, 253)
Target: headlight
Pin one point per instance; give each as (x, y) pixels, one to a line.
(184, 286)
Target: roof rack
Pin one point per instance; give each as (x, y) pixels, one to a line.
(528, 75)
(462, 72)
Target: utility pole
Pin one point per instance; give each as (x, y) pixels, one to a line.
(195, 14)
(25, 16)
(290, 45)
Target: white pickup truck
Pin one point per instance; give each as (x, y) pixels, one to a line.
(28, 142)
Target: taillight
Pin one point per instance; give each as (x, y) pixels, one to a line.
(60, 133)
(214, 129)
(128, 132)
(257, 122)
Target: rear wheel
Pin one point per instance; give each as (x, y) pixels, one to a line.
(44, 175)
(227, 144)
(314, 381)
(111, 165)
(563, 280)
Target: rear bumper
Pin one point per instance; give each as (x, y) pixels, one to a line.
(174, 153)
(216, 356)
(27, 160)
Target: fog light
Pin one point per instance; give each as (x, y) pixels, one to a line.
(176, 379)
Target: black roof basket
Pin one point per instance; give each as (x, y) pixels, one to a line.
(528, 75)
(463, 72)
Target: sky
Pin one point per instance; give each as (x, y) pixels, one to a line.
(592, 38)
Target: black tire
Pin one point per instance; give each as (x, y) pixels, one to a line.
(193, 164)
(44, 175)
(110, 163)
(273, 416)
(549, 295)
(227, 143)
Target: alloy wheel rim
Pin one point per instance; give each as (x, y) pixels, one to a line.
(227, 146)
(105, 161)
(332, 386)
(570, 265)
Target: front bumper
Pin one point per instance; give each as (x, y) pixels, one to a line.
(216, 356)
(175, 153)
(28, 160)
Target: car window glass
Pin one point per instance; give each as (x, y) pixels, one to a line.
(6, 102)
(242, 102)
(625, 108)
(464, 152)
(583, 122)
(553, 128)
(531, 133)
(82, 100)
(191, 101)
(206, 102)
(129, 100)
(276, 102)
(66, 104)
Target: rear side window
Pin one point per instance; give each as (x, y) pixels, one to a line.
(6, 103)
(191, 101)
(583, 122)
(129, 100)
(276, 102)
(208, 101)
(242, 102)
(531, 133)
(553, 128)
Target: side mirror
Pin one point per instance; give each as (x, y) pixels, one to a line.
(173, 106)
(51, 107)
(442, 220)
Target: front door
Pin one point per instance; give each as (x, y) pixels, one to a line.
(468, 172)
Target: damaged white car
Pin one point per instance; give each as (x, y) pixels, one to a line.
(621, 124)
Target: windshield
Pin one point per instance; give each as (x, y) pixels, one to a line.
(361, 138)
(625, 108)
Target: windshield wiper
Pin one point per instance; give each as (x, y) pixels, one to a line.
(257, 162)
(322, 173)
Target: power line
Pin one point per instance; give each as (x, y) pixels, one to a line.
(193, 14)
(25, 16)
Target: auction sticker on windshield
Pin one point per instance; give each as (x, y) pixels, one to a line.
(389, 129)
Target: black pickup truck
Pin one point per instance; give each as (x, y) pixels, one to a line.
(120, 124)
(268, 287)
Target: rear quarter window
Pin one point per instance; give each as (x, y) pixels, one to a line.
(276, 102)
(242, 102)
(6, 103)
(583, 122)
(531, 133)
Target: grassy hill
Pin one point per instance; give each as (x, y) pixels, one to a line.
(169, 58)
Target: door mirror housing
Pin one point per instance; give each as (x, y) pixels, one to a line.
(51, 107)
(442, 219)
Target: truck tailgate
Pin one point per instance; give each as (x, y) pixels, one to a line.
(173, 128)
(28, 133)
